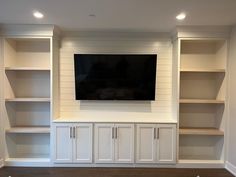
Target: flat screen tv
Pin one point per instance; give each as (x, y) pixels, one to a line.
(115, 77)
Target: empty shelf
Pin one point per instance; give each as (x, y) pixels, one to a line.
(201, 101)
(28, 130)
(203, 70)
(26, 69)
(27, 100)
(201, 131)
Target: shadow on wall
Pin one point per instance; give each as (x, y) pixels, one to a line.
(119, 106)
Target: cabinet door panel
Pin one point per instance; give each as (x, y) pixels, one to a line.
(82, 148)
(62, 144)
(146, 144)
(124, 143)
(104, 143)
(166, 144)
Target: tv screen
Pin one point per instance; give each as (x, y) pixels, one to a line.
(115, 77)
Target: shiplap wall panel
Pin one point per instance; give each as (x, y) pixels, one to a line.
(161, 107)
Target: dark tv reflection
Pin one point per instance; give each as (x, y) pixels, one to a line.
(115, 77)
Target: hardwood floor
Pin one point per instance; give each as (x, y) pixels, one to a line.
(111, 172)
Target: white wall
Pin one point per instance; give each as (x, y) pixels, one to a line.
(231, 156)
(159, 44)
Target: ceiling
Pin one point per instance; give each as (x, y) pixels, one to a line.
(124, 15)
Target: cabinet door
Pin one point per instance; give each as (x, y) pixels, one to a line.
(104, 143)
(82, 143)
(63, 143)
(146, 143)
(124, 143)
(166, 143)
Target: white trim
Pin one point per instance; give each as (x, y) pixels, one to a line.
(128, 165)
(1, 163)
(28, 162)
(201, 31)
(28, 30)
(231, 168)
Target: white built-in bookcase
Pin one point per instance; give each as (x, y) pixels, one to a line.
(30, 92)
(202, 99)
(27, 95)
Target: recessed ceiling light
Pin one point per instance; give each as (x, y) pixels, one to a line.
(38, 14)
(181, 16)
(92, 15)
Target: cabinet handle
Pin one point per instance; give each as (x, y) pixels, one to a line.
(116, 133)
(158, 132)
(154, 133)
(70, 132)
(74, 132)
(112, 133)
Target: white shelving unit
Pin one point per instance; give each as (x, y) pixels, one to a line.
(27, 95)
(202, 93)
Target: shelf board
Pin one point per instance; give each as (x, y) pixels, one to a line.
(28, 130)
(26, 69)
(28, 159)
(199, 163)
(201, 131)
(201, 101)
(27, 99)
(207, 70)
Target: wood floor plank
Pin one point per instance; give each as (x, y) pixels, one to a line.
(111, 172)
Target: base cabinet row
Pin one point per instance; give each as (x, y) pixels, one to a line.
(114, 143)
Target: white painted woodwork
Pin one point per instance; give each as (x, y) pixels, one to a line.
(209, 54)
(30, 31)
(201, 131)
(27, 84)
(166, 150)
(63, 143)
(23, 52)
(201, 148)
(27, 95)
(146, 143)
(203, 103)
(82, 143)
(26, 69)
(156, 143)
(114, 143)
(27, 146)
(204, 85)
(202, 70)
(75, 146)
(1, 105)
(30, 130)
(124, 143)
(27, 99)
(113, 117)
(161, 108)
(201, 115)
(104, 143)
(231, 134)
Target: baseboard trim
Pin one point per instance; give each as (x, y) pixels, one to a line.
(231, 168)
(1, 163)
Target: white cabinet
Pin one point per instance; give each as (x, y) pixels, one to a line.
(73, 143)
(62, 143)
(156, 143)
(146, 143)
(166, 143)
(114, 143)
